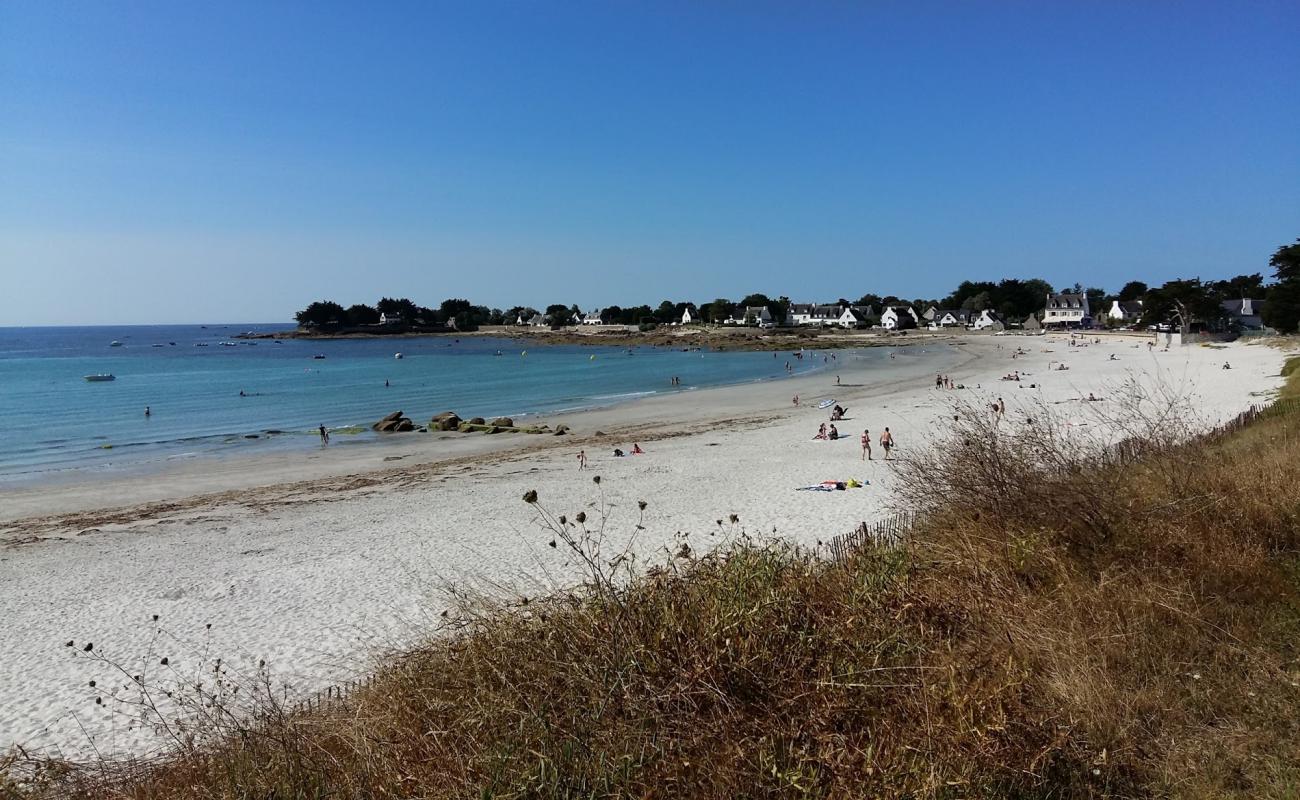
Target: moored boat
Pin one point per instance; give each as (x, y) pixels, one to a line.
(103, 376)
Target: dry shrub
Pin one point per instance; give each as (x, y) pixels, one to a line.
(1060, 625)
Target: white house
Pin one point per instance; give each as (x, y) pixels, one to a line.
(1067, 309)
(538, 321)
(687, 317)
(948, 318)
(1245, 313)
(894, 318)
(745, 315)
(1125, 310)
(988, 320)
(850, 318)
(592, 318)
(390, 319)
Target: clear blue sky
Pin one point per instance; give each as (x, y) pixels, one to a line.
(232, 161)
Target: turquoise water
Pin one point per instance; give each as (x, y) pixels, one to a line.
(53, 422)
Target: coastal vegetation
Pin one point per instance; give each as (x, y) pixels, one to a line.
(1058, 623)
(1199, 304)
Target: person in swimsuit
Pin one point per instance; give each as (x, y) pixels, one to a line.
(887, 442)
(866, 445)
(582, 459)
(324, 435)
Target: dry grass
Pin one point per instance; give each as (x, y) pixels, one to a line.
(1054, 629)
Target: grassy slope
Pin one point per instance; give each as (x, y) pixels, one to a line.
(1145, 648)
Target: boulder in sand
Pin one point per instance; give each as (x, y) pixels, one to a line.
(394, 423)
(502, 422)
(477, 421)
(446, 421)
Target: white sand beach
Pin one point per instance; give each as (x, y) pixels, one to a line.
(316, 565)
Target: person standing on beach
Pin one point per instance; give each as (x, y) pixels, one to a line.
(324, 435)
(796, 400)
(866, 445)
(582, 459)
(887, 442)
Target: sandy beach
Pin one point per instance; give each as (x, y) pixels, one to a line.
(318, 565)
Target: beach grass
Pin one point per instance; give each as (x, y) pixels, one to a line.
(1053, 628)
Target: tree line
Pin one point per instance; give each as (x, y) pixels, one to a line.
(1013, 299)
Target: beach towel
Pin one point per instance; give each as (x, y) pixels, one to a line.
(817, 488)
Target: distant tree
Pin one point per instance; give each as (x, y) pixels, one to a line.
(968, 289)
(754, 300)
(362, 314)
(1282, 306)
(1286, 262)
(559, 314)
(1239, 287)
(666, 312)
(322, 313)
(401, 307)
(1096, 299)
(637, 315)
(453, 306)
(780, 308)
(515, 313)
(978, 302)
(612, 315)
(720, 310)
(496, 317)
(1182, 303)
(868, 300)
(1133, 290)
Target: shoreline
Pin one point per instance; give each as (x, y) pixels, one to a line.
(715, 337)
(321, 566)
(218, 474)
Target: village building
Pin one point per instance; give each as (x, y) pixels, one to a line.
(1126, 311)
(1244, 313)
(895, 318)
(988, 320)
(1067, 310)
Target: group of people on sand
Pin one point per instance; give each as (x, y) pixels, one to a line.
(886, 443)
(618, 453)
(943, 382)
(823, 432)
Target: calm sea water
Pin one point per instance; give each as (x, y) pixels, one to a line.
(54, 423)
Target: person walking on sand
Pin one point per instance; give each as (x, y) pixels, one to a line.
(796, 400)
(582, 459)
(837, 380)
(866, 445)
(1002, 406)
(887, 442)
(324, 435)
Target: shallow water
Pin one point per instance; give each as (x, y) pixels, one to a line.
(53, 421)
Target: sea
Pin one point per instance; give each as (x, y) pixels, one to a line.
(210, 393)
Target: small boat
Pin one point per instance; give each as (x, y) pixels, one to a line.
(115, 343)
(103, 376)
(229, 344)
(319, 356)
(397, 355)
(155, 345)
(200, 344)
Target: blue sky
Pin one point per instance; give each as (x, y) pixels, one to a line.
(195, 162)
